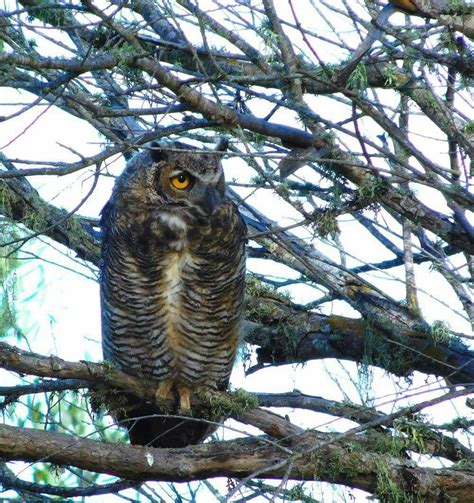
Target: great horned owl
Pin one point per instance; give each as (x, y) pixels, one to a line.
(172, 283)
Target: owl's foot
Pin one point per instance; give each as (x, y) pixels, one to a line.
(184, 399)
(164, 396)
(165, 399)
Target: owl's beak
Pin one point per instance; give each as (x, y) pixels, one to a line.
(209, 201)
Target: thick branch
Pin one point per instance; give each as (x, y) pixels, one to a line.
(457, 15)
(97, 374)
(9, 481)
(289, 336)
(248, 458)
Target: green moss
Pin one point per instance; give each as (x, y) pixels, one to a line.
(283, 190)
(265, 30)
(469, 128)
(36, 220)
(106, 401)
(337, 463)
(266, 306)
(358, 79)
(108, 367)
(446, 41)
(379, 352)
(8, 263)
(122, 52)
(326, 224)
(372, 190)
(388, 490)
(48, 13)
(6, 198)
(256, 138)
(290, 338)
(393, 76)
(263, 312)
(459, 423)
(32, 218)
(466, 82)
(325, 72)
(416, 434)
(258, 180)
(75, 231)
(227, 404)
(329, 137)
(337, 193)
(259, 310)
(257, 289)
(464, 464)
(386, 444)
(7, 308)
(459, 7)
(431, 102)
(440, 332)
(298, 493)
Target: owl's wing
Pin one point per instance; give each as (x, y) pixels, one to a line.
(105, 214)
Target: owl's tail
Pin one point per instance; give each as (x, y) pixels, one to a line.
(147, 425)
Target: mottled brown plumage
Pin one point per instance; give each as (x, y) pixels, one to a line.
(172, 279)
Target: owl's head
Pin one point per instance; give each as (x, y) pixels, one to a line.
(173, 175)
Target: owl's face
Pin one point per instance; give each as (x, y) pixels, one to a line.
(175, 178)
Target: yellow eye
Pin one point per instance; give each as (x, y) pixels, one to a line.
(181, 181)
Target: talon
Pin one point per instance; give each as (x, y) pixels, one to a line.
(163, 392)
(184, 398)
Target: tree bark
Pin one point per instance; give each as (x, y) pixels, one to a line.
(238, 459)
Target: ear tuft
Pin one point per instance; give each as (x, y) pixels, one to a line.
(157, 152)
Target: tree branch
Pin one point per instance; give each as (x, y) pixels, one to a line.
(249, 458)
(9, 481)
(285, 335)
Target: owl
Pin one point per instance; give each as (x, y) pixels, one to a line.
(172, 283)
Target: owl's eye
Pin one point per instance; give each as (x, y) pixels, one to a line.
(181, 181)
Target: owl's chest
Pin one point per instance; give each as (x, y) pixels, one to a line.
(173, 280)
(173, 290)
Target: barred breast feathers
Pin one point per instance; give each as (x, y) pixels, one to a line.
(187, 304)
